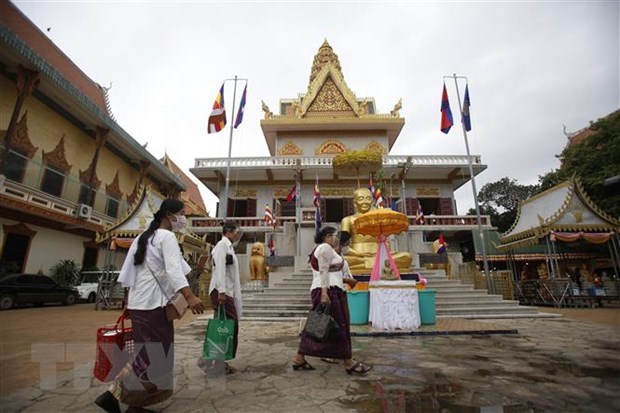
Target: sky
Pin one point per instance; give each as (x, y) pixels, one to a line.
(532, 67)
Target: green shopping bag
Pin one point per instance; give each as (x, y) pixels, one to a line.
(219, 337)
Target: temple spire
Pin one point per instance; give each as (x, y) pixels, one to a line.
(324, 55)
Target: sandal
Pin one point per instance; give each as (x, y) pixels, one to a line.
(358, 368)
(303, 366)
(108, 402)
(230, 369)
(329, 360)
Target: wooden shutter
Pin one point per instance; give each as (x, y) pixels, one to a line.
(347, 207)
(251, 210)
(446, 206)
(230, 209)
(412, 205)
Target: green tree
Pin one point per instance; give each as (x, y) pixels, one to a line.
(66, 273)
(592, 160)
(500, 200)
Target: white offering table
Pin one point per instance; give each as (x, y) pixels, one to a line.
(394, 305)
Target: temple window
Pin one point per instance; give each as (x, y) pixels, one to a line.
(245, 207)
(111, 208)
(87, 195)
(15, 166)
(333, 209)
(287, 209)
(52, 181)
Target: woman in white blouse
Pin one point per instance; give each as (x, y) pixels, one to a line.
(155, 253)
(328, 288)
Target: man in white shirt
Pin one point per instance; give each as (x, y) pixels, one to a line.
(225, 287)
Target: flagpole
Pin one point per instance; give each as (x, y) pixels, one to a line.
(224, 205)
(473, 185)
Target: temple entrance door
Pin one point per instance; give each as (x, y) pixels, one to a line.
(334, 210)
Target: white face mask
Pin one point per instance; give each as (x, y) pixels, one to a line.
(345, 250)
(179, 224)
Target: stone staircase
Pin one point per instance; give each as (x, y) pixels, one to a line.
(290, 299)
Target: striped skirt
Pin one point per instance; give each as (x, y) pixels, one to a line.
(148, 378)
(231, 312)
(338, 347)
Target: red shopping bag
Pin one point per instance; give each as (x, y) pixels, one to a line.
(114, 349)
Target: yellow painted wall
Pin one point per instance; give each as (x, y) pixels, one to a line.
(46, 128)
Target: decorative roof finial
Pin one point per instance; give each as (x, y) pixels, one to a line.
(324, 55)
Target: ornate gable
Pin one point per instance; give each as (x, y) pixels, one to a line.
(329, 98)
(57, 158)
(20, 140)
(329, 92)
(113, 189)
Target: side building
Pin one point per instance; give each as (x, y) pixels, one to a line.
(303, 137)
(67, 169)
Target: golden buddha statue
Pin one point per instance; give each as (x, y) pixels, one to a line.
(363, 248)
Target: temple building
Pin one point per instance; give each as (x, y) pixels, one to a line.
(68, 170)
(303, 135)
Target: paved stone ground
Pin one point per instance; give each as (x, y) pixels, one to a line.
(551, 365)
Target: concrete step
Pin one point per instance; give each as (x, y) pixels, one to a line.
(464, 296)
(285, 287)
(293, 296)
(276, 306)
(268, 301)
(486, 310)
(293, 283)
(498, 316)
(450, 288)
(276, 313)
(473, 304)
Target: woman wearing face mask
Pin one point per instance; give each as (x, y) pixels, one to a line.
(148, 378)
(328, 288)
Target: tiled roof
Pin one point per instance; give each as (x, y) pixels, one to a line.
(194, 204)
(13, 19)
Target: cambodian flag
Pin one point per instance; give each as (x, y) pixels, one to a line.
(446, 113)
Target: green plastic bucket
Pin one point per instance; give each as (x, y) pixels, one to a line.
(427, 306)
(359, 303)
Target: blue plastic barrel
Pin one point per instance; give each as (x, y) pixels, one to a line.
(359, 303)
(427, 306)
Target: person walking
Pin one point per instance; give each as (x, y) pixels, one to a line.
(225, 287)
(328, 288)
(148, 378)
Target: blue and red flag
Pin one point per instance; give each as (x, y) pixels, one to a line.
(371, 187)
(239, 118)
(446, 113)
(217, 119)
(292, 195)
(466, 104)
(442, 245)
